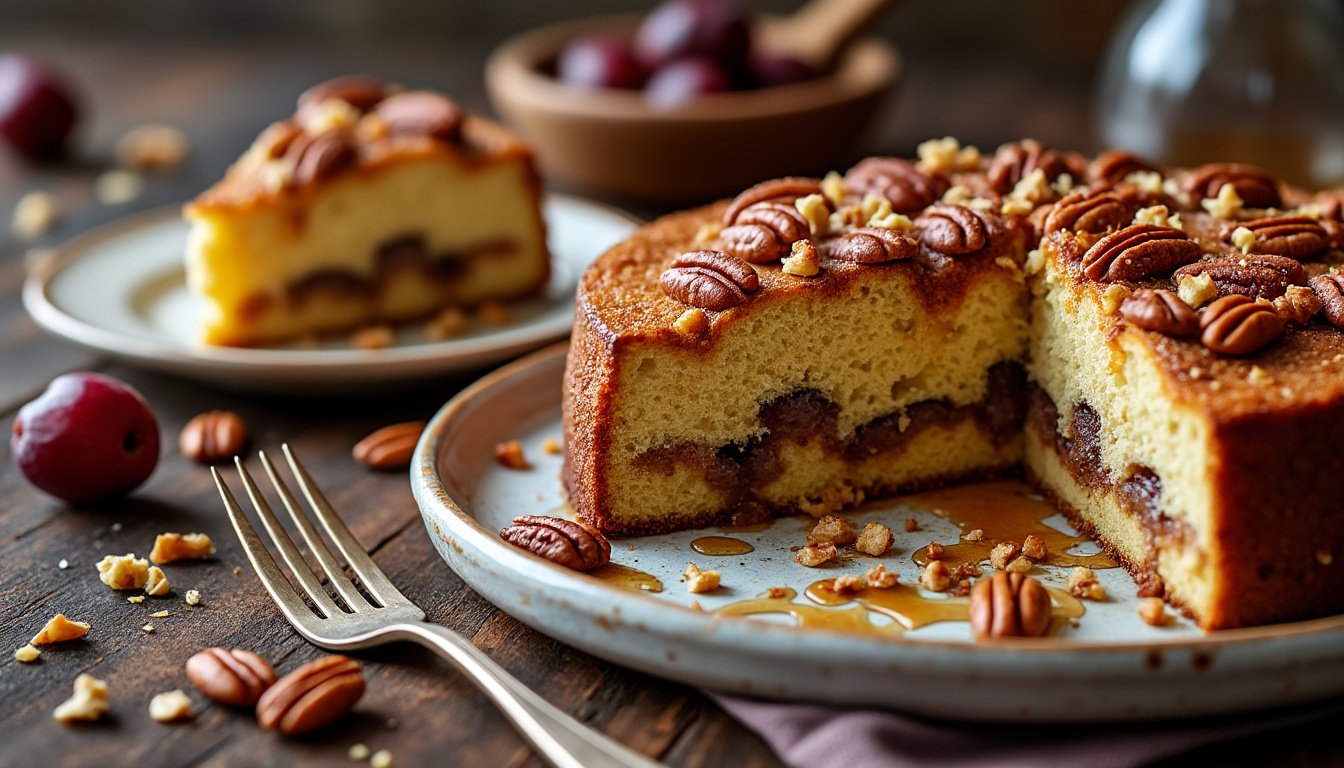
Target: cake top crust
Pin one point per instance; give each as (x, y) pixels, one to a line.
(350, 126)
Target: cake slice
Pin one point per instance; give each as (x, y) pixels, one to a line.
(368, 205)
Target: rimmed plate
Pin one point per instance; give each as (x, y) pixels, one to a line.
(1112, 666)
(121, 290)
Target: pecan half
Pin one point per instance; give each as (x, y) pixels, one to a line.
(870, 245)
(318, 157)
(1331, 203)
(952, 229)
(421, 113)
(1161, 311)
(907, 188)
(390, 447)
(231, 676)
(1239, 325)
(1255, 187)
(1009, 605)
(1114, 165)
(1139, 251)
(212, 436)
(563, 542)
(709, 280)
(1260, 276)
(1014, 162)
(784, 190)
(356, 90)
(1329, 289)
(764, 232)
(1294, 237)
(311, 696)
(1093, 213)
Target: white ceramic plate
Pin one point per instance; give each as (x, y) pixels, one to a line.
(1112, 666)
(121, 290)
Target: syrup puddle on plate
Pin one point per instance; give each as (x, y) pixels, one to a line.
(719, 546)
(625, 577)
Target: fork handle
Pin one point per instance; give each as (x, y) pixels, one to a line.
(563, 741)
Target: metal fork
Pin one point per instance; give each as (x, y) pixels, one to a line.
(388, 616)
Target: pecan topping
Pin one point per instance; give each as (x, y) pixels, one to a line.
(563, 542)
(1161, 311)
(231, 676)
(390, 447)
(1331, 203)
(1115, 165)
(320, 156)
(1329, 289)
(357, 91)
(421, 113)
(1239, 325)
(871, 245)
(765, 232)
(952, 229)
(212, 436)
(709, 280)
(1139, 251)
(1009, 605)
(907, 188)
(1255, 275)
(1014, 162)
(1295, 237)
(1255, 187)
(784, 190)
(311, 696)
(1094, 213)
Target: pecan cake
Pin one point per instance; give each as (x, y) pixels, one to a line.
(1158, 348)
(368, 205)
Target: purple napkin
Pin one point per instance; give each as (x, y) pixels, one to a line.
(818, 736)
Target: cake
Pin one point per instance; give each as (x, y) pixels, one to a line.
(1157, 349)
(368, 205)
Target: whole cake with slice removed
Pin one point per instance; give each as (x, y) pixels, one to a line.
(369, 205)
(1158, 348)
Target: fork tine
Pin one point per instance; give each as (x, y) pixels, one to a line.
(370, 575)
(297, 565)
(272, 578)
(335, 574)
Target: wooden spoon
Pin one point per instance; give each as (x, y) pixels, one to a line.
(818, 32)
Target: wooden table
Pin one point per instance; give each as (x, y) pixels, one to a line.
(415, 705)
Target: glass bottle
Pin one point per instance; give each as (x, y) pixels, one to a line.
(1257, 81)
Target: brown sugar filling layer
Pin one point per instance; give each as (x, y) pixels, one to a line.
(1139, 494)
(806, 415)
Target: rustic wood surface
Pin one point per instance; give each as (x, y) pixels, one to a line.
(416, 705)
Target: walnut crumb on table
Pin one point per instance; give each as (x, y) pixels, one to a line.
(171, 706)
(34, 215)
(935, 551)
(381, 759)
(1154, 612)
(373, 337)
(27, 654)
(89, 701)
(1002, 554)
(510, 454)
(816, 554)
(777, 593)
(136, 599)
(1082, 583)
(834, 530)
(935, 576)
(975, 535)
(59, 629)
(156, 584)
(193, 597)
(123, 571)
(698, 581)
(171, 547)
(358, 752)
(911, 525)
(1033, 548)
(848, 585)
(880, 578)
(874, 540)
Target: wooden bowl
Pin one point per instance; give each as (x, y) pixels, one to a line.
(616, 143)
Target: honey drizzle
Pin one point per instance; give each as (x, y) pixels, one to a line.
(1004, 511)
(718, 546)
(854, 619)
(625, 577)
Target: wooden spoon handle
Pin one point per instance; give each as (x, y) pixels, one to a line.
(820, 30)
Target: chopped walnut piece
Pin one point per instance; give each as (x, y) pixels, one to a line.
(874, 540)
(911, 525)
(1083, 584)
(1197, 290)
(698, 581)
(1148, 182)
(118, 187)
(1002, 554)
(1157, 215)
(34, 214)
(879, 577)
(510, 454)
(451, 322)
(373, 337)
(832, 529)
(1020, 564)
(156, 585)
(171, 547)
(170, 707)
(1033, 188)
(1243, 238)
(123, 572)
(777, 593)
(691, 322)
(135, 599)
(1298, 305)
(816, 554)
(493, 313)
(193, 597)
(817, 213)
(974, 535)
(833, 187)
(1015, 206)
(550, 445)
(152, 146)
(358, 753)
(1033, 548)
(159, 615)
(935, 577)
(88, 703)
(1226, 205)
(147, 629)
(381, 759)
(60, 629)
(802, 260)
(965, 571)
(27, 654)
(848, 585)
(1151, 609)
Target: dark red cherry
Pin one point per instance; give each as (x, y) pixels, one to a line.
(37, 110)
(599, 62)
(715, 29)
(681, 81)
